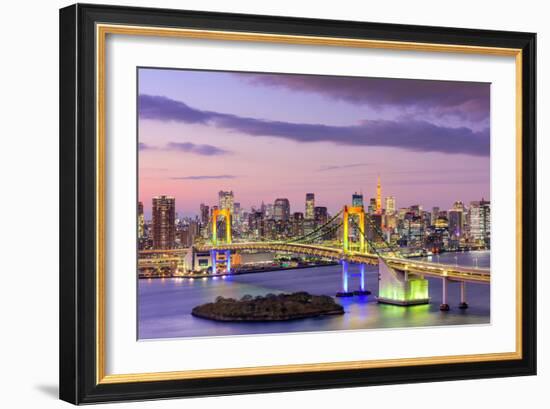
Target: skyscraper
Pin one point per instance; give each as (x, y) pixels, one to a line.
(237, 213)
(390, 205)
(141, 221)
(378, 197)
(372, 205)
(225, 200)
(357, 200)
(435, 214)
(456, 220)
(480, 221)
(310, 206)
(456, 223)
(281, 210)
(321, 215)
(164, 217)
(205, 214)
(298, 224)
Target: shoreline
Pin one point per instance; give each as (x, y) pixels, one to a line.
(252, 271)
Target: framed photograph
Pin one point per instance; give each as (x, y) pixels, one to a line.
(257, 203)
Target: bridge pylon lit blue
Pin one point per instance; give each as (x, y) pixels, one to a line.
(220, 256)
(345, 292)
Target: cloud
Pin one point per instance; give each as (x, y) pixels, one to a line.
(335, 167)
(410, 134)
(206, 150)
(144, 147)
(464, 100)
(204, 177)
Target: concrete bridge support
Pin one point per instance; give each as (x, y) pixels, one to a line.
(362, 289)
(345, 281)
(214, 255)
(401, 288)
(463, 304)
(444, 305)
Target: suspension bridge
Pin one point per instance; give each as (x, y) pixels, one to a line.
(402, 281)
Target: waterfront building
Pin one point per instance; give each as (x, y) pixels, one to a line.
(456, 223)
(480, 222)
(164, 228)
(281, 209)
(310, 206)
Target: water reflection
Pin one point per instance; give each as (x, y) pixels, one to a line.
(165, 304)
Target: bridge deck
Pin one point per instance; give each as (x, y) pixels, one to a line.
(471, 274)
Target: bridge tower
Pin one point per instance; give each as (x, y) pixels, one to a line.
(226, 214)
(360, 212)
(347, 212)
(219, 255)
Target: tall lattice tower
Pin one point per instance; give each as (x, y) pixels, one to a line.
(378, 197)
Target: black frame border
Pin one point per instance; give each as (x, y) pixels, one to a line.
(78, 210)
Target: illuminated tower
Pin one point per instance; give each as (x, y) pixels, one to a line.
(378, 197)
(310, 206)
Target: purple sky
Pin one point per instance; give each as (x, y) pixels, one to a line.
(266, 136)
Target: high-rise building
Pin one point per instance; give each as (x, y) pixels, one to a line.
(378, 196)
(373, 228)
(435, 214)
(236, 215)
(205, 214)
(310, 206)
(281, 210)
(458, 205)
(164, 217)
(416, 209)
(357, 200)
(456, 220)
(372, 206)
(297, 224)
(321, 215)
(255, 224)
(456, 223)
(141, 221)
(390, 205)
(226, 200)
(480, 221)
(268, 211)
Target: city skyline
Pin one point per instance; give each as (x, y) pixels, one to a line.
(396, 206)
(429, 140)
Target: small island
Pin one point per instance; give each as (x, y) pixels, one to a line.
(271, 307)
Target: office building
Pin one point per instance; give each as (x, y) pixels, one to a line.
(164, 217)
